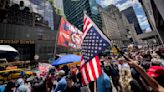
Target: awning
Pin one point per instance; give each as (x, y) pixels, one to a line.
(7, 51)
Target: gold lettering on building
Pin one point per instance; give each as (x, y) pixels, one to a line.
(17, 42)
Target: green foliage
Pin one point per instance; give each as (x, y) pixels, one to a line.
(51, 2)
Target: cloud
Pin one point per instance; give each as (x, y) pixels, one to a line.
(145, 22)
(106, 2)
(139, 6)
(26, 2)
(140, 16)
(135, 1)
(142, 21)
(127, 4)
(148, 29)
(124, 5)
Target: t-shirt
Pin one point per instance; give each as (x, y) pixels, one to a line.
(123, 66)
(23, 88)
(103, 83)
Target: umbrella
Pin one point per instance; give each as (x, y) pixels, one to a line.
(6, 51)
(70, 58)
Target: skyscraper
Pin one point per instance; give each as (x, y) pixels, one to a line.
(59, 8)
(155, 14)
(74, 12)
(116, 26)
(59, 4)
(132, 18)
(26, 30)
(41, 7)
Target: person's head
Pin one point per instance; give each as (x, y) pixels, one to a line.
(21, 3)
(142, 53)
(121, 60)
(160, 52)
(147, 57)
(78, 66)
(34, 74)
(139, 58)
(69, 80)
(19, 82)
(65, 68)
(102, 63)
(61, 73)
(57, 67)
(155, 62)
(148, 52)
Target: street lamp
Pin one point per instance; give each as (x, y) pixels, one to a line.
(36, 57)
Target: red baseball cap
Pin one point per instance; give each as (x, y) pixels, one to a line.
(155, 71)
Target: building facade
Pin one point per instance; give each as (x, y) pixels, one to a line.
(74, 12)
(26, 31)
(42, 7)
(116, 26)
(155, 13)
(132, 18)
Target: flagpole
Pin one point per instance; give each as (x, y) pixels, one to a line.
(85, 12)
(56, 40)
(95, 86)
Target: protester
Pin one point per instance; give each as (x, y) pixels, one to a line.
(122, 64)
(141, 71)
(114, 73)
(21, 87)
(49, 81)
(62, 84)
(160, 52)
(71, 87)
(10, 87)
(104, 83)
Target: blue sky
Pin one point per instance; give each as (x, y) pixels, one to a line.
(124, 4)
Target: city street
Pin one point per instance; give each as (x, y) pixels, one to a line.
(81, 46)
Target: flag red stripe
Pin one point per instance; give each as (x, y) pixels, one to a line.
(85, 24)
(83, 82)
(84, 76)
(82, 63)
(88, 78)
(88, 22)
(90, 71)
(92, 68)
(86, 73)
(85, 19)
(98, 65)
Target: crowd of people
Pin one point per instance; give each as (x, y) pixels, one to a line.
(138, 70)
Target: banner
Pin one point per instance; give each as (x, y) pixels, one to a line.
(69, 36)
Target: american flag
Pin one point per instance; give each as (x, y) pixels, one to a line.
(94, 42)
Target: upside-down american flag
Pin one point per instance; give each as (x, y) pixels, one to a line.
(94, 42)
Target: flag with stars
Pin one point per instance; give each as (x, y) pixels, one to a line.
(94, 42)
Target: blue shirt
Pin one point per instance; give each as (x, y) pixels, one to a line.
(2, 88)
(62, 84)
(103, 83)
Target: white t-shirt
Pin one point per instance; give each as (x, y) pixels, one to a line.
(124, 65)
